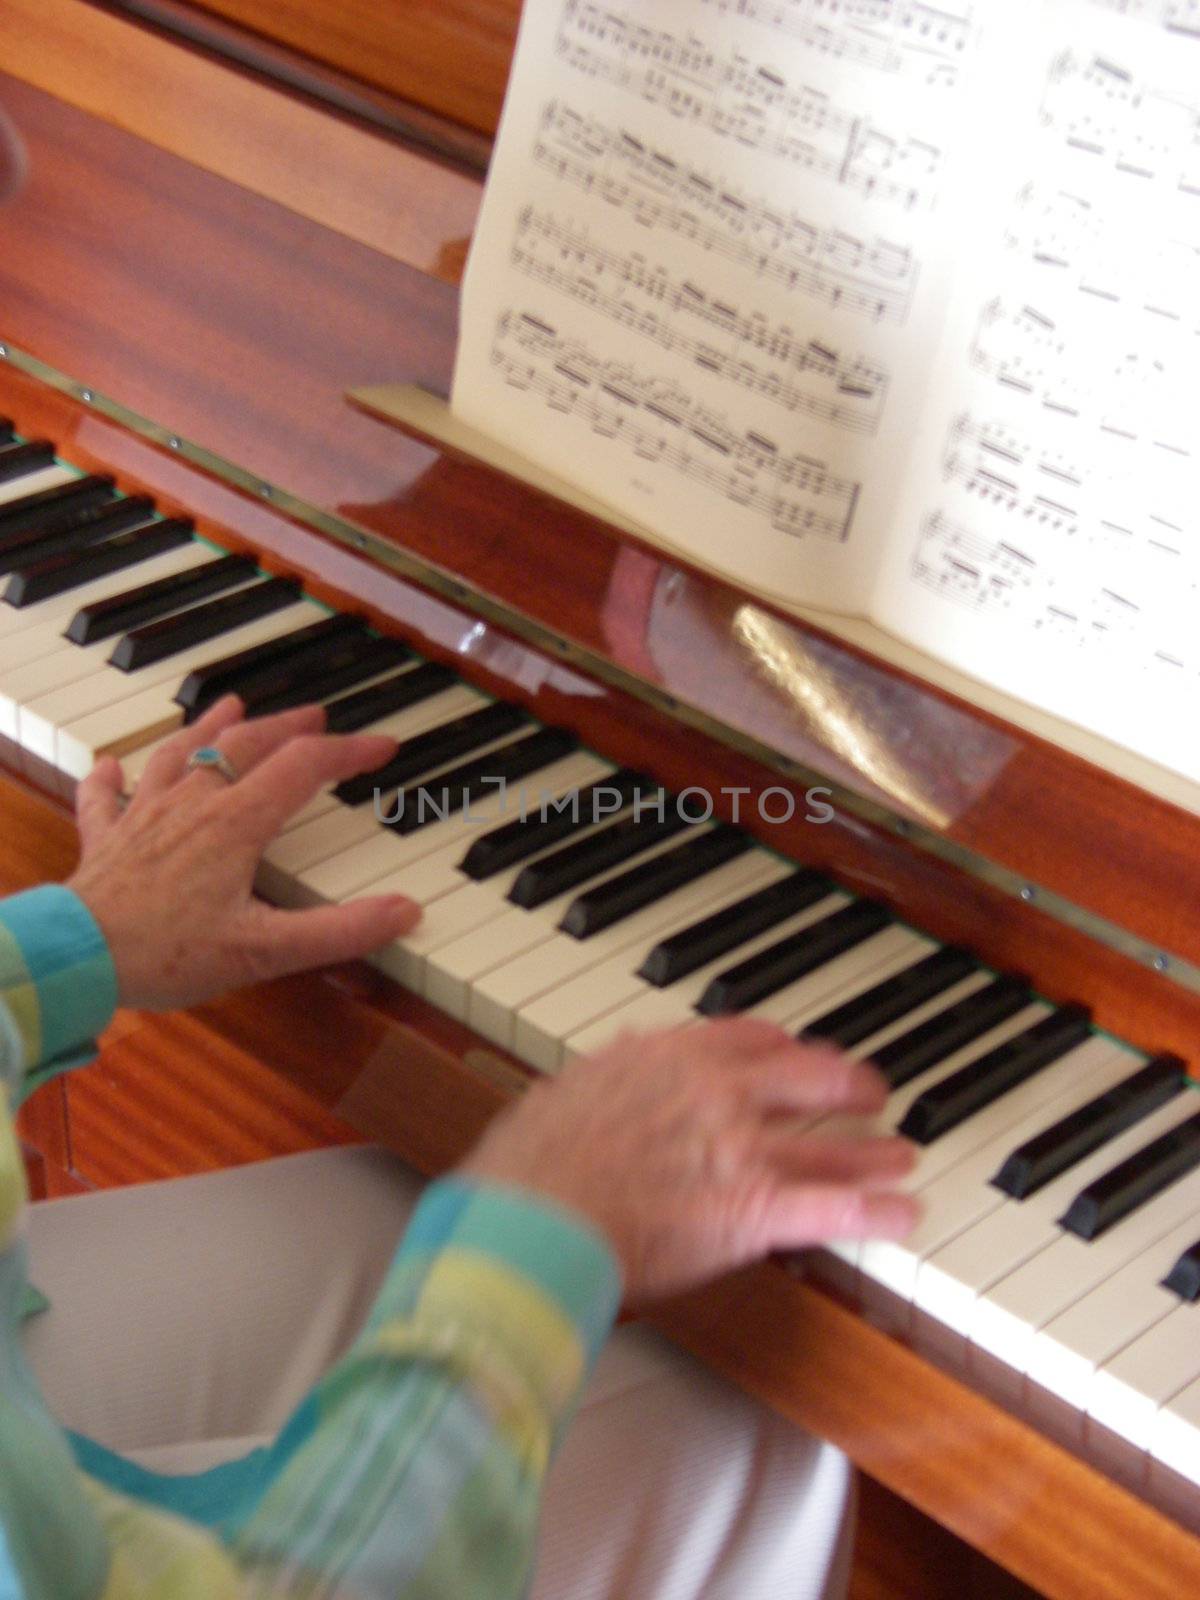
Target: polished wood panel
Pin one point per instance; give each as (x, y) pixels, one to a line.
(264, 140)
(900, 1555)
(450, 55)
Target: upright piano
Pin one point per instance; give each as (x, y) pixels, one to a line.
(235, 214)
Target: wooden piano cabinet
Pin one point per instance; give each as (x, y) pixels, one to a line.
(449, 55)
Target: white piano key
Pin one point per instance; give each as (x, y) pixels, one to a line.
(954, 1200)
(1067, 1353)
(111, 712)
(27, 632)
(494, 997)
(454, 905)
(1175, 1434)
(1009, 1313)
(893, 1113)
(586, 1013)
(327, 828)
(894, 1265)
(952, 1278)
(1129, 1390)
(876, 958)
(36, 482)
(460, 965)
(384, 855)
(40, 676)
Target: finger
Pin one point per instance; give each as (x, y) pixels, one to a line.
(873, 1162)
(250, 743)
(813, 1078)
(166, 766)
(806, 1214)
(290, 941)
(738, 1037)
(98, 801)
(290, 777)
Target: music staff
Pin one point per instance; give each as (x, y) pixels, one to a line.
(891, 35)
(1134, 396)
(848, 394)
(754, 105)
(873, 278)
(1009, 473)
(1181, 17)
(1101, 502)
(1102, 112)
(657, 421)
(1120, 626)
(1095, 250)
(958, 564)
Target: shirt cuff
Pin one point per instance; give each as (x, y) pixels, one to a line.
(556, 1250)
(57, 978)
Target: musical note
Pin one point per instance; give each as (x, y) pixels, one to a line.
(890, 35)
(1114, 506)
(848, 394)
(1139, 396)
(874, 278)
(1092, 247)
(1181, 17)
(957, 564)
(657, 421)
(1116, 622)
(1103, 113)
(752, 104)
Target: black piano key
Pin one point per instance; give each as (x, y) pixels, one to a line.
(1126, 1187)
(157, 641)
(526, 836)
(752, 980)
(947, 1104)
(598, 908)
(49, 510)
(715, 935)
(1032, 1165)
(18, 459)
(1184, 1277)
(435, 748)
(450, 792)
(379, 700)
(62, 573)
(126, 610)
(297, 684)
(226, 675)
(573, 864)
(102, 523)
(903, 1058)
(892, 999)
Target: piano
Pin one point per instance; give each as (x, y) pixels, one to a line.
(189, 503)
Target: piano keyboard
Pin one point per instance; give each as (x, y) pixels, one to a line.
(1059, 1252)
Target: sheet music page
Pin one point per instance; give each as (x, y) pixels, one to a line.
(713, 263)
(1051, 544)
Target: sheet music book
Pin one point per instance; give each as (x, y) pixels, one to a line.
(877, 306)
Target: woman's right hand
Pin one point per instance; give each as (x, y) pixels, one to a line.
(681, 1148)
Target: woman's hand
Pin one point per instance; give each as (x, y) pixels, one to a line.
(169, 876)
(683, 1149)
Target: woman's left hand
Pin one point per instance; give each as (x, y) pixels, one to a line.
(169, 876)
